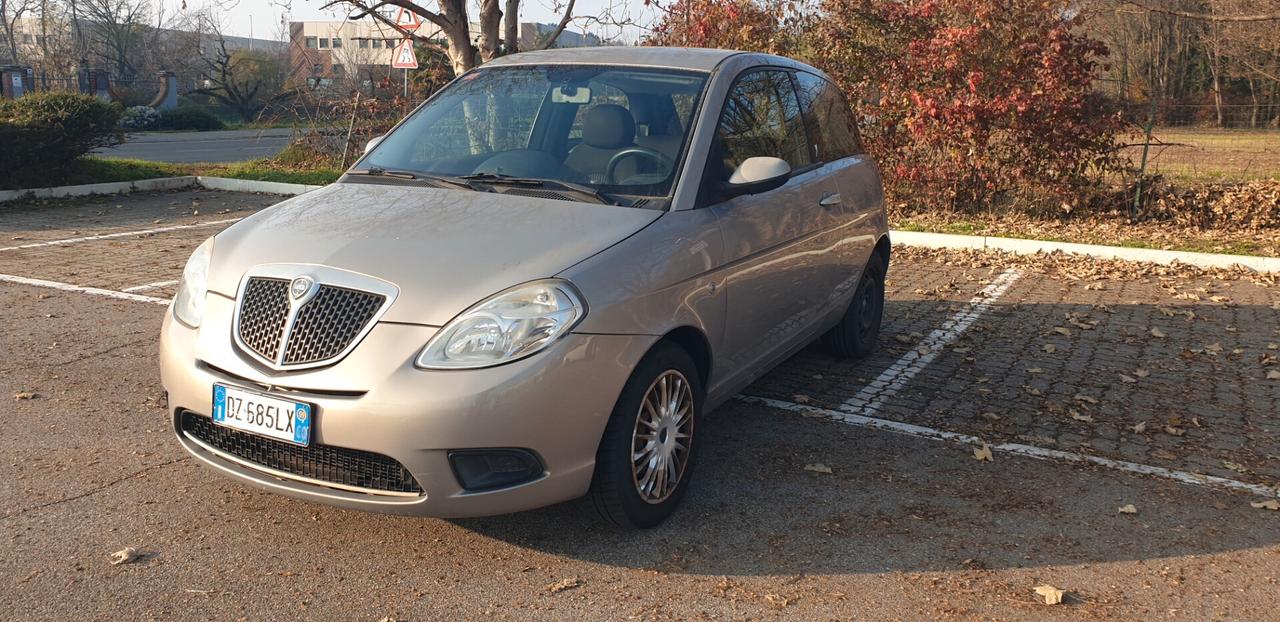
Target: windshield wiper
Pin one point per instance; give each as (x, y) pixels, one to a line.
(439, 180)
(538, 182)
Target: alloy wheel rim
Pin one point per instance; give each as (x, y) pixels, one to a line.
(663, 436)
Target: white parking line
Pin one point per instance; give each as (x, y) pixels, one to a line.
(143, 288)
(1029, 451)
(122, 234)
(67, 287)
(869, 400)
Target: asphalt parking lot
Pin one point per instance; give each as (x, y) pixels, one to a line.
(831, 491)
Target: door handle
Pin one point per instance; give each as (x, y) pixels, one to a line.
(830, 200)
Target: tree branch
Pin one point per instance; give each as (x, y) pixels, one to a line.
(1207, 17)
(564, 22)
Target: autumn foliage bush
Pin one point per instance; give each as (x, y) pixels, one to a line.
(966, 104)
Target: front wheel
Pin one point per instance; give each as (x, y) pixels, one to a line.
(646, 456)
(859, 330)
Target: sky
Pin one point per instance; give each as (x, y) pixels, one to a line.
(263, 18)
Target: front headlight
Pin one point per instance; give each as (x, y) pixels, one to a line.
(505, 327)
(188, 305)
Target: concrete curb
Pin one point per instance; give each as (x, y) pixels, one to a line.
(160, 183)
(245, 185)
(115, 187)
(907, 238)
(1031, 247)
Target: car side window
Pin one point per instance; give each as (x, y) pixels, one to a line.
(829, 116)
(762, 118)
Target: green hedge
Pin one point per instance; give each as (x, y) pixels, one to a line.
(44, 133)
(189, 118)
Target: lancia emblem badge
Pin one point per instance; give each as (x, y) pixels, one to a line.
(300, 287)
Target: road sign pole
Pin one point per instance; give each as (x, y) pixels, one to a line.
(406, 84)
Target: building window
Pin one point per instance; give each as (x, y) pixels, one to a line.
(324, 44)
(311, 43)
(363, 43)
(337, 42)
(377, 44)
(391, 43)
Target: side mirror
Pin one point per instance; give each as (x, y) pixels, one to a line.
(373, 142)
(756, 175)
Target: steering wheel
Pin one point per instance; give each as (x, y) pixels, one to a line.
(661, 159)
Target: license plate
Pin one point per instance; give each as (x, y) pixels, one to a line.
(258, 413)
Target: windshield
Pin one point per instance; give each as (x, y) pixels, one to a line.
(618, 130)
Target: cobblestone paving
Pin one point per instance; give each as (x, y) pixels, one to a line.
(1153, 365)
(1168, 372)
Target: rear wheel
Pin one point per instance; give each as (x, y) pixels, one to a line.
(646, 456)
(859, 330)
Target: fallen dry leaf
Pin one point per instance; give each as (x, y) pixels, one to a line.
(1141, 373)
(566, 584)
(1172, 431)
(1127, 379)
(990, 416)
(1128, 509)
(983, 453)
(817, 468)
(124, 556)
(1062, 331)
(1269, 504)
(1050, 348)
(1052, 595)
(1235, 466)
(24, 395)
(1273, 374)
(1031, 390)
(1139, 428)
(1075, 414)
(1080, 397)
(800, 398)
(777, 601)
(1157, 333)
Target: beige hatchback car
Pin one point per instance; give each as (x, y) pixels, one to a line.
(533, 288)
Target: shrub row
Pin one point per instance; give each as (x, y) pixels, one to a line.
(44, 133)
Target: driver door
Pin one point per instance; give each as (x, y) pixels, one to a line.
(780, 263)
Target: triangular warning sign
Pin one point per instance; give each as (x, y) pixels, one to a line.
(404, 58)
(408, 20)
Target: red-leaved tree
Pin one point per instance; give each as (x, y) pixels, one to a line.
(967, 101)
(963, 102)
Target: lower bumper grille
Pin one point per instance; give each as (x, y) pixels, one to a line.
(351, 468)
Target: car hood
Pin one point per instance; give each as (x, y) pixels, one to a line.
(445, 249)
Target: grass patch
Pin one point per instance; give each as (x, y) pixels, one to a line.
(264, 170)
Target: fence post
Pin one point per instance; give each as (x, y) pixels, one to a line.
(1142, 168)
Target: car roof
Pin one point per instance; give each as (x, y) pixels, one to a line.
(697, 59)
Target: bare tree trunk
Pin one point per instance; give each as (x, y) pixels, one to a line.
(490, 21)
(511, 38)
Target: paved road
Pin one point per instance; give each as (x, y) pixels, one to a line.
(224, 146)
(899, 528)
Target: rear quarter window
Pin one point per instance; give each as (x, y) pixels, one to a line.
(830, 117)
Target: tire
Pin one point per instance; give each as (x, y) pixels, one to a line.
(859, 330)
(616, 488)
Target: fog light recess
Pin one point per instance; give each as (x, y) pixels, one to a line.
(490, 469)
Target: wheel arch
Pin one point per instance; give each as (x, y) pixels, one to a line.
(696, 344)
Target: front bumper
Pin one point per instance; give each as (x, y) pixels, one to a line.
(555, 403)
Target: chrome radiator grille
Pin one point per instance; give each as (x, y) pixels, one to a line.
(319, 330)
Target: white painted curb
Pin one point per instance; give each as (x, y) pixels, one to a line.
(1031, 247)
